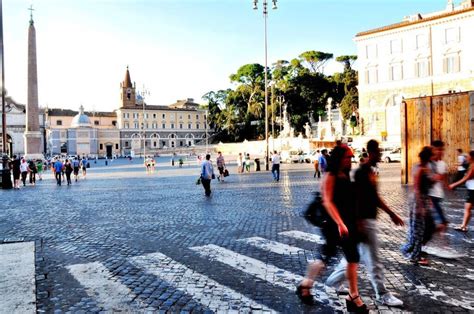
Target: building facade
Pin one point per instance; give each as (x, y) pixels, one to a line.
(148, 128)
(82, 133)
(424, 55)
(16, 127)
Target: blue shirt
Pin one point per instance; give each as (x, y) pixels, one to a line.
(58, 166)
(322, 162)
(206, 170)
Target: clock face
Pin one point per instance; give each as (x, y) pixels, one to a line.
(129, 90)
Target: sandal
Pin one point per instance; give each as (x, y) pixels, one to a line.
(423, 262)
(461, 229)
(307, 298)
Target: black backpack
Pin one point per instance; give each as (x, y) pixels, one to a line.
(316, 213)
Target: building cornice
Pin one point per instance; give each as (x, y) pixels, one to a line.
(411, 23)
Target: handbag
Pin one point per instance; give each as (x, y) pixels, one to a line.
(226, 172)
(198, 181)
(316, 213)
(213, 176)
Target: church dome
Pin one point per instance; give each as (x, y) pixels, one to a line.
(81, 120)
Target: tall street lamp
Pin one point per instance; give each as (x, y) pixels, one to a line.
(265, 17)
(2, 85)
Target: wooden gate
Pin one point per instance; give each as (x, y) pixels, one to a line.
(445, 117)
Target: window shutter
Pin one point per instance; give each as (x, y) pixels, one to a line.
(367, 80)
(390, 73)
(445, 65)
(457, 63)
(417, 69)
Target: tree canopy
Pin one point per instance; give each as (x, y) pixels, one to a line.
(238, 113)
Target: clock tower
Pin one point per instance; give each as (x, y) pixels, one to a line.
(127, 95)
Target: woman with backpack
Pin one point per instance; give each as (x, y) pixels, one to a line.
(339, 231)
(468, 179)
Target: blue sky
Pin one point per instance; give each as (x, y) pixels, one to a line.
(176, 48)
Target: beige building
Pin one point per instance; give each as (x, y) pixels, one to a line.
(148, 128)
(425, 54)
(82, 133)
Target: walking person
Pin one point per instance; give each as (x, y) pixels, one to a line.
(421, 221)
(68, 168)
(75, 167)
(462, 165)
(84, 166)
(40, 167)
(220, 166)
(468, 179)
(16, 172)
(436, 193)
(322, 162)
(316, 164)
(368, 201)
(340, 230)
(24, 170)
(240, 163)
(276, 166)
(32, 170)
(58, 169)
(207, 174)
(247, 162)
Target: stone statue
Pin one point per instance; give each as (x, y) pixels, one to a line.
(307, 130)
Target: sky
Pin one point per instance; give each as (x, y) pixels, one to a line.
(175, 49)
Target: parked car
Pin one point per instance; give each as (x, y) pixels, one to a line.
(393, 155)
(291, 156)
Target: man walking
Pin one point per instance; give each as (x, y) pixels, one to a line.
(322, 162)
(84, 163)
(276, 166)
(75, 167)
(368, 200)
(58, 168)
(207, 174)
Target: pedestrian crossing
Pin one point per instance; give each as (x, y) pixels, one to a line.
(112, 295)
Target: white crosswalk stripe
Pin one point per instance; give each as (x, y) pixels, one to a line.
(434, 292)
(300, 235)
(100, 285)
(254, 267)
(202, 289)
(272, 246)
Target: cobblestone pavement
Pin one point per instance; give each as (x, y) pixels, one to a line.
(125, 240)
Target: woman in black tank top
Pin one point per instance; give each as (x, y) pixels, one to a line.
(338, 197)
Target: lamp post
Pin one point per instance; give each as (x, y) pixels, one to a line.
(265, 17)
(205, 125)
(2, 85)
(143, 94)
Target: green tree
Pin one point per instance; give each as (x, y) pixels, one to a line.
(316, 60)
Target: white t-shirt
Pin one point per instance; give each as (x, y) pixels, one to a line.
(275, 159)
(461, 160)
(438, 167)
(24, 167)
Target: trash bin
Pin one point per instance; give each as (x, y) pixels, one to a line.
(257, 164)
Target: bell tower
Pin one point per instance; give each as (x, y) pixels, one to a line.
(127, 96)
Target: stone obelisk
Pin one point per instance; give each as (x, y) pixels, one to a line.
(32, 133)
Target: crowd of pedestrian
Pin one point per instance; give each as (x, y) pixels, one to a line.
(351, 206)
(24, 170)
